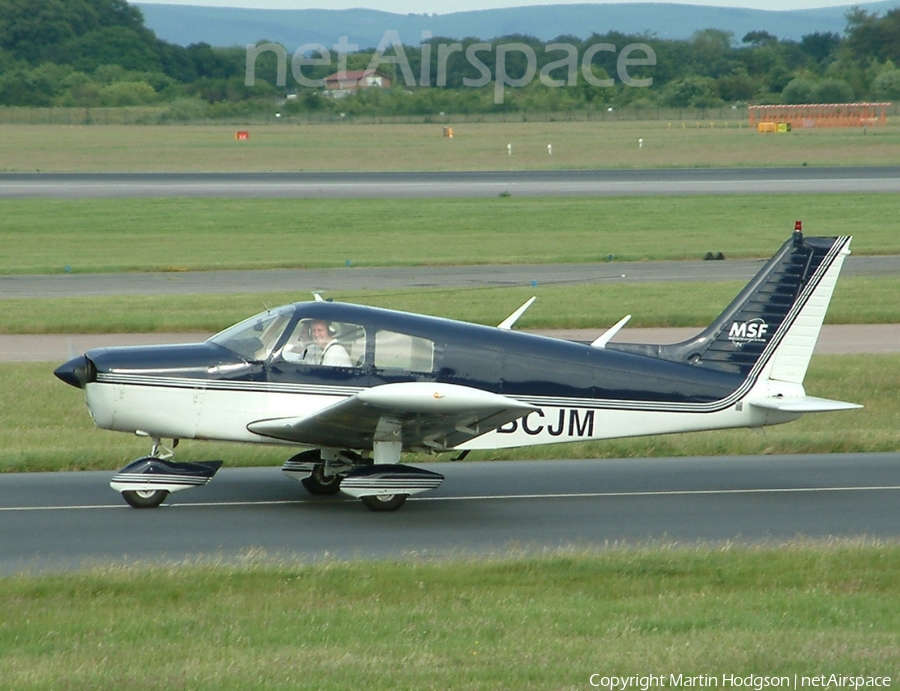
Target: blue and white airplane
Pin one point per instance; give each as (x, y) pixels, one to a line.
(356, 386)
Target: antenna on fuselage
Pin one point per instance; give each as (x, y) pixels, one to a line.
(507, 323)
(610, 332)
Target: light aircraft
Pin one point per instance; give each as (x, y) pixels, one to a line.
(355, 386)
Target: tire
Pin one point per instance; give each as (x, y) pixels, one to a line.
(318, 483)
(145, 498)
(384, 502)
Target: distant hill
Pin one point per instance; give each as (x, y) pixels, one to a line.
(228, 26)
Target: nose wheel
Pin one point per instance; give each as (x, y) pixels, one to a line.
(145, 498)
(146, 482)
(383, 502)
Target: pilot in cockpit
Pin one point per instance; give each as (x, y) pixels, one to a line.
(317, 345)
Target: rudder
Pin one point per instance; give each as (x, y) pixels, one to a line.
(772, 325)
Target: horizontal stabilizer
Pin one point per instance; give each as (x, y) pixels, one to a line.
(803, 404)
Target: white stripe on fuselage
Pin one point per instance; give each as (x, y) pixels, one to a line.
(187, 413)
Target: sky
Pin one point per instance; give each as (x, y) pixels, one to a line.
(447, 6)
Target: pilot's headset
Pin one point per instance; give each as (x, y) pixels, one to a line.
(332, 328)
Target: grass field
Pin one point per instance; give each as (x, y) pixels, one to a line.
(44, 425)
(111, 235)
(497, 623)
(351, 147)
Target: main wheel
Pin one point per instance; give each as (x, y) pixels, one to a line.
(319, 483)
(384, 502)
(145, 498)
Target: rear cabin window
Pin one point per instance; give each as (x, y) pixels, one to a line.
(397, 351)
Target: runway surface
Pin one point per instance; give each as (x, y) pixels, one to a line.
(63, 520)
(456, 184)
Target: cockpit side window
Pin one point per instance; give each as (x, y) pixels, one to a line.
(398, 351)
(256, 337)
(327, 343)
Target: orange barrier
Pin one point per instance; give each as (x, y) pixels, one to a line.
(820, 114)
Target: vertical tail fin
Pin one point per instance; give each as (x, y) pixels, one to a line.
(771, 327)
(777, 317)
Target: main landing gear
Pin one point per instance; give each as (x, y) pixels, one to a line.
(381, 483)
(146, 482)
(381, 486)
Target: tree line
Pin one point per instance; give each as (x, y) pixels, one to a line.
(90, 53)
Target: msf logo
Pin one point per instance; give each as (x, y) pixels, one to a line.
(753, 331)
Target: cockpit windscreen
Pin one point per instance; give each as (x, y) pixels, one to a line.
(256, 337)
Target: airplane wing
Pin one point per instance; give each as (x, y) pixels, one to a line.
(420, 414)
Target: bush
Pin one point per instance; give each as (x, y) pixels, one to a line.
(886, 86)
(127, 94)
(80, 90)
(799, 90)
(833, 91)
(184, 110)
(805, 90)
(693, 91)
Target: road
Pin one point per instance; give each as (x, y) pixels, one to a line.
(456, 184)
(304, 281)
(62, 520)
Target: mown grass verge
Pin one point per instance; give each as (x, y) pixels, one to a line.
(599, 143)
(509, 622)
(45, 426)
(857, 300)
(173, 234)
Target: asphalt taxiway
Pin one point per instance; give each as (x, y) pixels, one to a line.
(669, 181)
(303, 281)
(63, 520)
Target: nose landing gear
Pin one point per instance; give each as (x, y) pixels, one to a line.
(146, 482)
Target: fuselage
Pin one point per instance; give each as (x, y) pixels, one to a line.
(215, 389)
